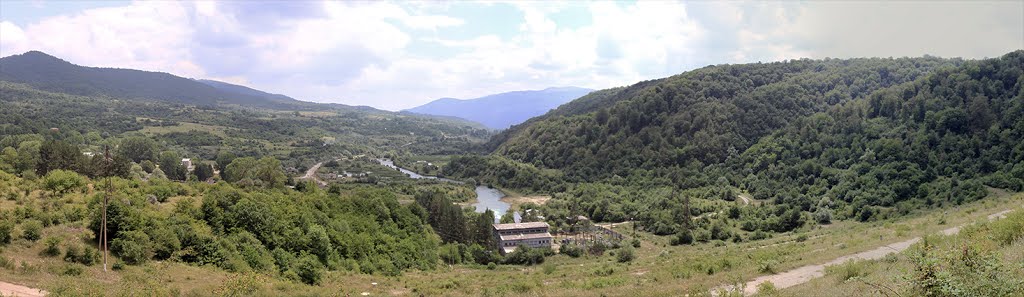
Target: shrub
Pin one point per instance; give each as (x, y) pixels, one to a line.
(524, 255)
(549, 268)
(571, 250)
(78, 253)
(134, 247)
(52, 246)
(165, 243)
(683, 237)
(32, 229)
(847, 270)
(63, 181)
(636, 243)
(6, 227)
(72, 270)
(492, 266)
(309, 269)
(626, 254)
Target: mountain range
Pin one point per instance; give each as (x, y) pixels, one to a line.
(49, 73)
(500, 111)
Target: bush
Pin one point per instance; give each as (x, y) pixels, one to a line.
(134, 247)
(63, 181)
(309, 269)
(847, 270)
(165, 243)
(77, 253)
(683, 237)
(32, 229)
(636, 243)
(524, 255)
(72, 270)
(5, 232)
(549, 268)
(492, 266)
(626, 254)
(571, 250)
(52, 246)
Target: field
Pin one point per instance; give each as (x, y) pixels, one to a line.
(658, 270)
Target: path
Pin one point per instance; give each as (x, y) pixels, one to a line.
(9, 289)
(745, 197)
(806, 273)
(311, 174)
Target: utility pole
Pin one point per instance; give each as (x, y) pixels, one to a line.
(108, 162)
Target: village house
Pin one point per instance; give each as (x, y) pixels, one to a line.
(532, 234)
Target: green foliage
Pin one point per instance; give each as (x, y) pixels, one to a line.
(63, 181)
(265, 172)
(32, 229)
(571, 250)
(524, 255)
(203, 171)
(134, 247)
(51, 246)
(56, 154)
(6, 228)
(309, 269)
(82, 254)
(625, 254)
(170, 164)
(139, 149)
(848, 270)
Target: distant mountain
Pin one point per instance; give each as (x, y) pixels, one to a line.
(46, 72)
(499, 111)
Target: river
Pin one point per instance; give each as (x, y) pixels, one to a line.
(486, 197)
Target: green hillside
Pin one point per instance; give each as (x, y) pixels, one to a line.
(858, 139)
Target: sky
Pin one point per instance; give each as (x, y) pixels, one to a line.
(398, 55)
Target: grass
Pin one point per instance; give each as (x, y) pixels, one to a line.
(658, 270)
(185, 127)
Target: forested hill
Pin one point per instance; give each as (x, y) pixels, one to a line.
(878, 131)
(699, 115)
(50, 73)
(499, 111)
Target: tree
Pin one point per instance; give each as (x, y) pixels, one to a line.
(170, 163)
(203, 171)
(508, 218)
(224, 158)
(482, 230)
(56, 154)
(138, 149)
(266, 171)
(134, 247)
(62, 181)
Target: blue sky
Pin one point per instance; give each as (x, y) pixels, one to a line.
(397, 55)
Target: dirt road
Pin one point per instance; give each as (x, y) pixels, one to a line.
(9, 289)
(311, 174)
(804, 274)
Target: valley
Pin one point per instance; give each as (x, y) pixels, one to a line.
(802, 177)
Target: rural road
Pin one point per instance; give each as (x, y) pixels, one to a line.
(9, 289)
(311, 174)
(806, 273)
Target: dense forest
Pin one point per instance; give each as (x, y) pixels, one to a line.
(811, 140)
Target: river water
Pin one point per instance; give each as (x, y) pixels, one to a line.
(486, 197)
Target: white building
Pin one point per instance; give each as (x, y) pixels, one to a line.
(511, 236)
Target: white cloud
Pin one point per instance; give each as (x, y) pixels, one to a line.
(368, 53)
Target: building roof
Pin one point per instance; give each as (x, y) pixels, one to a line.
(514, 226)
(525, 236)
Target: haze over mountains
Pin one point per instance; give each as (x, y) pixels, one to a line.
(500, 111)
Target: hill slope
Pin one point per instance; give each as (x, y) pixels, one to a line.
(860, 139)
(499, 111)
(49, 73)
